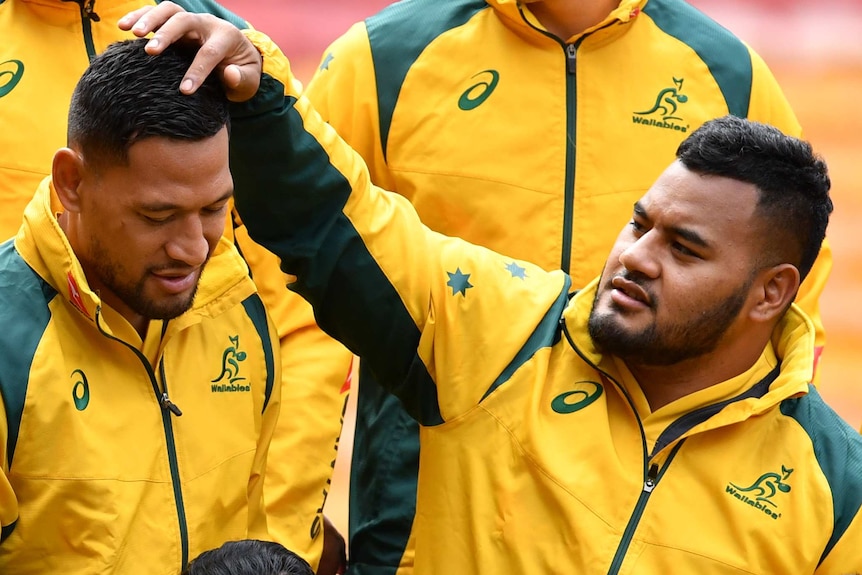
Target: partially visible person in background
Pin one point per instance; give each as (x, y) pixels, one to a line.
(45, 48)
(529, 127)
(248, 557)
(139, 369)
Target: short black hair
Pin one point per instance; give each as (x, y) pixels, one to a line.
(248, 557)
(126, 95)
(792, 181)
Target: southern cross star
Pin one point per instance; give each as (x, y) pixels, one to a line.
(516, 270)
(459, 282)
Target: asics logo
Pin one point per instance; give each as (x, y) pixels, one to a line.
(11, 72)
(81, 390)
(475, 95)
(584, 393)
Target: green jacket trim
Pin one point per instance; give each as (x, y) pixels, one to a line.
(253, 306)
(394, 54)
(331, 237)
(24, 321)
(547, 333)
(726, 57)
(838, 452)
(7, 530)
(208, 7)
(679, 427)
(380, 520)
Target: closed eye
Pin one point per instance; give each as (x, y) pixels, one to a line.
(157, 219)
(685, 251)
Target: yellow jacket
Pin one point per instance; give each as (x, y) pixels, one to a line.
(123, 456)
(46, 45)
(539, 454)
(536, 147)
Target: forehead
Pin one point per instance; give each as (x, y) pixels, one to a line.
(680, 197)
(179, 171)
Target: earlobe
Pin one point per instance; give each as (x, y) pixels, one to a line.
(779, 286)
(66, 174)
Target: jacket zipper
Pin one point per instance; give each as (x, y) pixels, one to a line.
(571, 51)
(167, 408)
(88, 16)
(652, 472)
(650, 482)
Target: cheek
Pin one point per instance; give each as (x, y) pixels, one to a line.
(213, 231)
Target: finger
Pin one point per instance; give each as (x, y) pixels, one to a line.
(241, 82)
(184, 26)
(130, 19)
(219, 45)
(145, 20)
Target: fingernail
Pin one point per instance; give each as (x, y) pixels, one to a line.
(187, 85)
(153, 43)
(139, 25)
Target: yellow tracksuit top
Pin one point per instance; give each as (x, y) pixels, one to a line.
(531, 145)
(537, 453)
(501, 134)
(46, 45)
(100, 473)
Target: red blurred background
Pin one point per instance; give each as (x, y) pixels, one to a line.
(815, 50)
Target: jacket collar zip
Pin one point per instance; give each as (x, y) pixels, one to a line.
(88, 8)
(161, 392)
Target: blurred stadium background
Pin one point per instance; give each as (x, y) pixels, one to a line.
(814, 47)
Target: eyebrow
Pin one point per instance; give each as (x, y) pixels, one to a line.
(167, 207)
(685, 233)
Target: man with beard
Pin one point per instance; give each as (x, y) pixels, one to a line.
(661, 420)
(138, 367)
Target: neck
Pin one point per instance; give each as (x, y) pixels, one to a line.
(664, 384)
(567, 18)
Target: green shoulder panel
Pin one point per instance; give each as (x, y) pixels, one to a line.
(24, 315)
(399, 33)
(723, 53)
(210, 7)
(546, 334)
(838, 448)
(253, 306)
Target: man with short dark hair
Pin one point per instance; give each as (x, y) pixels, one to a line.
(661, 420)
(45, 47)
(138, 367)
(249, 557)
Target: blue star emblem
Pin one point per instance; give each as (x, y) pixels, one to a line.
(325, 64)
(459, 282)
(516, 270)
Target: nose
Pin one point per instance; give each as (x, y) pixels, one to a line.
(641, 256)
(190, 243)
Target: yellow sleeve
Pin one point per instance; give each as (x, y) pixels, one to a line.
(769, 105)
(314, 369)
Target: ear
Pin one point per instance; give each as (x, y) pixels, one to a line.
(67, 171)
(777, 287)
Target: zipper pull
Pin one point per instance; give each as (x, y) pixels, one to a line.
(168, 404)
(87, 8)
(651, 477)
(571, 58)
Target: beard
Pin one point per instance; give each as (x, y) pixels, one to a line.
(667, 344)
(132, 293)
